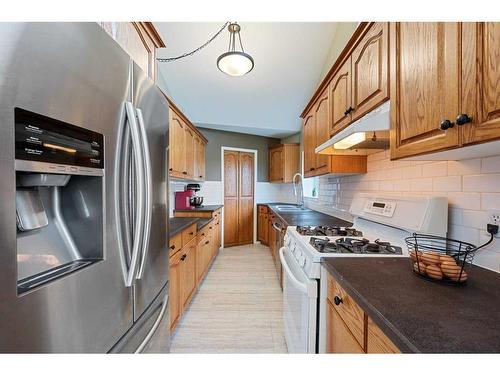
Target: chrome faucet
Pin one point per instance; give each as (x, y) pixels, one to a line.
(300, 199)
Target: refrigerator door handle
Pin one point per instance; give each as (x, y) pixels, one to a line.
(151, 333)
(130, 271)
(148, 213)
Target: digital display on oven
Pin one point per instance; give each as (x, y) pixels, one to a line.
(378, 205)
(41, 138)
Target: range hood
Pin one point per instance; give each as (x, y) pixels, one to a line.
(365, 136)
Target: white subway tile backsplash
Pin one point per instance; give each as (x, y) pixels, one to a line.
(472, 187)
(484, 183)
(435, 169)
(490, 164)
(490, 201)
(448, 183)
(470, 201)
(461, 167)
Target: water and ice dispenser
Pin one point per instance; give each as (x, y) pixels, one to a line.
(59, 199)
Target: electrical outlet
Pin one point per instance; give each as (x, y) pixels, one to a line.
(494, 218)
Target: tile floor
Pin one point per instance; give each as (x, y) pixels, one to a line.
(238, 308)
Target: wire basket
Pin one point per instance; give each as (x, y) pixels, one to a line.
(440, 259)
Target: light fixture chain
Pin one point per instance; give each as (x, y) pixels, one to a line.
(169, 59)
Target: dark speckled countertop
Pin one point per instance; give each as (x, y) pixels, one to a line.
(307, 217)
(423, 316)
(206, 208)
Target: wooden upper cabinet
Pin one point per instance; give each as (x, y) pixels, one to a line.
(189, 152)
(284, 162)
(340, 98)
(424, 86)
(309, 133)
(370, 66)
(139, 40)
(481, 81)
(177, 136)
(275, 164)
(186, 148)
(322, 116)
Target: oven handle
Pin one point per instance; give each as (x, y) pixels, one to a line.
(301, 286)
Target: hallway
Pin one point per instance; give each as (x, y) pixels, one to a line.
(238, 308)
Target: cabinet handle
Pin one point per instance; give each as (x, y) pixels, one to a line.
(191, 233)
(200, 176)
(348, 110)
(206, 243)
(183, 257)
(203, 234)
(312, 169)
(337, 300)
(170, 169)
(184, 172)
(210, 227)
(446, 124)
(172, 247)
(463, 119)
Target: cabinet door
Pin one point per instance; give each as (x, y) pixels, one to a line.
(340, 98)
(309, 145)
(200, 160)
(378, 342)
(177, 146)
(370, 65)
(200, 263)
(424, 86)
(175, 288)
(276, 164)
(480, 81)
(188, 272)
(322, 119)
(189, 153)
(338, 337)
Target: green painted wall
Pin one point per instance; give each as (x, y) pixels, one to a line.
(219, 138)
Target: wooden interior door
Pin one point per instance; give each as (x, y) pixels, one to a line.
(321, 114)
(340, 98)
(424, 86)
(238, 198)
(480, 81)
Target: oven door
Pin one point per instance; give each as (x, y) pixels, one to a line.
(299, 305)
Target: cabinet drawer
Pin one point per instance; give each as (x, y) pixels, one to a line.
(263, 209)
(349, 311)
(175, 244)
(188, 234)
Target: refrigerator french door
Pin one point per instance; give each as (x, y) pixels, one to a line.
(75, 75)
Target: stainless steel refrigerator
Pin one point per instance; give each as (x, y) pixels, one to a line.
(83, 194)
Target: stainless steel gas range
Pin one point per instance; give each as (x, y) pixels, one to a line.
(380, 225)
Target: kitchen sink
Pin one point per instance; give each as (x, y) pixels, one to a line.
(290, 208)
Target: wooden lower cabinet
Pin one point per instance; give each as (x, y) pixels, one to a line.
(377, 341)
(175, 288)
(189, 264)
(339, 338)
(262, 225)
(348, 328)
(188, 272)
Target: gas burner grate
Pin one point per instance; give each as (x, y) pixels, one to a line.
(348, 245)
(326, 230)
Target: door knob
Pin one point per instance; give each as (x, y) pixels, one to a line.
(183, 257)
(463, 118)
(337, 300)
(446, 124)
(348, 110)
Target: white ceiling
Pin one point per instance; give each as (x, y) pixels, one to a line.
(289, 58)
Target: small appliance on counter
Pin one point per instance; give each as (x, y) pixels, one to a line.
(187, 199)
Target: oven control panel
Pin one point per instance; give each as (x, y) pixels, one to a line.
(380, 207)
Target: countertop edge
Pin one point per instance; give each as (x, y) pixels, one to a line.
(385, 325)
(209, 208)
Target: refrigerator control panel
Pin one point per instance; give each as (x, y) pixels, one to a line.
(41, 138)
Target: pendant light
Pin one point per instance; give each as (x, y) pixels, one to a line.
(233, 62)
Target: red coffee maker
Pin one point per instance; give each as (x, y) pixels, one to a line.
(183, 199)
